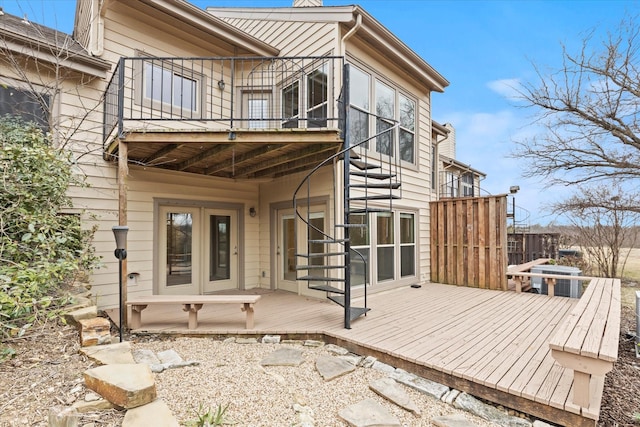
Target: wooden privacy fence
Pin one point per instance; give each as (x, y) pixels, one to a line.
(469, 242)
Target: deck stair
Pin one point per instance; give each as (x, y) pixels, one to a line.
(370, 184)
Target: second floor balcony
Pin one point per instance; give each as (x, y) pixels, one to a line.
(229, 117)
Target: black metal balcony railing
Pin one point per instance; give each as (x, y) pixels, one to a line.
(233, 93)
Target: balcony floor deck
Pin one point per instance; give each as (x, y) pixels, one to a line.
(491, 344)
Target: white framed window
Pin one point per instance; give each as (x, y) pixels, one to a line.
(391, 105)
(467, 184)
(317, 93)
(305, 100)
(30, 102)
(359, 99)
(385, 250)
(169, 87)
(290, 102)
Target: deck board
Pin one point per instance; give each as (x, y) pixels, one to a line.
(492, 343)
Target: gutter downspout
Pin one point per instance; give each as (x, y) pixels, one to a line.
(342, 53)
(350, 33)
(96, 28)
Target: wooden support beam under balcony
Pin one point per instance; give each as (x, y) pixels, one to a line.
(242, 153)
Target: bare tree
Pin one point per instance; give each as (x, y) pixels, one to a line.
(590, 111)
(44, 71)
(602, 225)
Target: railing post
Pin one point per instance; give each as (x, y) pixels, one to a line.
(121, 63)
(346, 197)
(233, 77)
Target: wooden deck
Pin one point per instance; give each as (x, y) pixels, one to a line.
(492, 344)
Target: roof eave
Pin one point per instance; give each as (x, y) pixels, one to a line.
(436, 81)
(23, 45)
(205, 21)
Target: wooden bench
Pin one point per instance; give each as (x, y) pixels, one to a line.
(513, 271)
(586, 342)
(191, 304)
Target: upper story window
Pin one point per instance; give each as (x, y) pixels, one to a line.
(390, 105)
(168, 87)
(467, 184)
(308, 96)
(28, 105)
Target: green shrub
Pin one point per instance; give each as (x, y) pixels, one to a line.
(41, 247)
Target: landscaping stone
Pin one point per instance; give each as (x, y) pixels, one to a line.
(170, 357)
(94, 331)
(452, 421)
(368, 413)
(293, 342)
(383, 367)
(156, 414)
(97, 405)
(313, 343)
(335, 349)
(75, 316)
(63, 417)
(146, 357)
(271, 339)
(354, 359)
(471, 404)
(368, 362)
(124, 385)
(331, 367)
(540, 423)
(391, 390)
(229, 340)
(283, 357)
(110, 354)
(450, 397)
(423, 385)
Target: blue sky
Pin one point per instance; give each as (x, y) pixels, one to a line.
(481, 47)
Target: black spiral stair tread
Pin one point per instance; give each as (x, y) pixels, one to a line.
(321, 279)
(327, 288)
(373, 175)
(363, 165)
(376, 197)
(319, 267)
(385, 186)
(320, 255)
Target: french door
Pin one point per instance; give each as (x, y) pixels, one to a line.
(198, 250)
(288, 238)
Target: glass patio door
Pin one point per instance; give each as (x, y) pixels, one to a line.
(198, 250)
(286, 246)
(221, 250)
(179, 243)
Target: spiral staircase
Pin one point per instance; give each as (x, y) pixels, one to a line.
(370, 184)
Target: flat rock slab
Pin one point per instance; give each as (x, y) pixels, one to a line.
(126, 386)
(423, 385)
(110, 354)
(170, 356)
(471, 404)
(452, 421)
(332, 367)
(392, 391)
(82, 313)
(145, 356)
(283, 357)
(156, 414)
(368, 413)
(94, 331)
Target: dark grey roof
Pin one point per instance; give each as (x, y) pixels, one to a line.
(14, 29)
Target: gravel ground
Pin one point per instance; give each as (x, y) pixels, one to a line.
(231, 374)
(47, 371)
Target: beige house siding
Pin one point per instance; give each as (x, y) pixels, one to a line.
(291, 37)
(128, 32)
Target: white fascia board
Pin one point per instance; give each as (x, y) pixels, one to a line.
(320, 14)
(42, 52)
